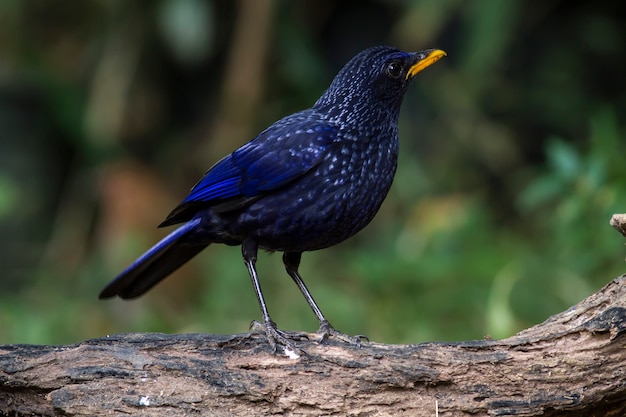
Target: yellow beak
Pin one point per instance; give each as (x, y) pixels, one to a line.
(433, 56)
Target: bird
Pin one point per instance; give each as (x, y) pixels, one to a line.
(307, 182)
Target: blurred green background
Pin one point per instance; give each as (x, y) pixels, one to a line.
(512, 161)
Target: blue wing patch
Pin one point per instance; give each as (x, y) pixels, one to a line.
(276, 157)
(220, 182)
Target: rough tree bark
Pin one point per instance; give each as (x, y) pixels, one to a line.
(573, 364)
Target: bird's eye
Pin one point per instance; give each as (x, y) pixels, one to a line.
(394, 69)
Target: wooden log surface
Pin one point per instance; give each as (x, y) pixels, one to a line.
(572, 364)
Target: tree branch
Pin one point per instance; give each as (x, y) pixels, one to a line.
(573, 364)
(575, 361)
(618, 222)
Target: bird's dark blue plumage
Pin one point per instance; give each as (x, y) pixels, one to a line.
(307, 182)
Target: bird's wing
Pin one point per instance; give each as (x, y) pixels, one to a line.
(273, 159)
(269, 164)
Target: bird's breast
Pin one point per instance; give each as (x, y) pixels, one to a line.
(330, 203)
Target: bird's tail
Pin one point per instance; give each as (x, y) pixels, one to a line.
(156, 264)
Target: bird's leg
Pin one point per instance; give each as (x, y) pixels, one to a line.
(274, 336)
(326, 330)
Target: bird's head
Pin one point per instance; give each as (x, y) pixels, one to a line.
(375, 80)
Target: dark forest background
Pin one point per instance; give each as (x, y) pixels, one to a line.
(512, 161)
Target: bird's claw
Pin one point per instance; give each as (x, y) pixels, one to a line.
(326, 331)
(283, 339)
(279, 338)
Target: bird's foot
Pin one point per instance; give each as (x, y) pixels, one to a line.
(279, 339)
(326, 331)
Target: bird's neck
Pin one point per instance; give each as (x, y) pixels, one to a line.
(358, 111)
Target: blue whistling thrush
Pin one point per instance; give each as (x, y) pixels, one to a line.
(307, 182)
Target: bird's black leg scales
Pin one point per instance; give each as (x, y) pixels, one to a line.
(275, 337)
(326, 330)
